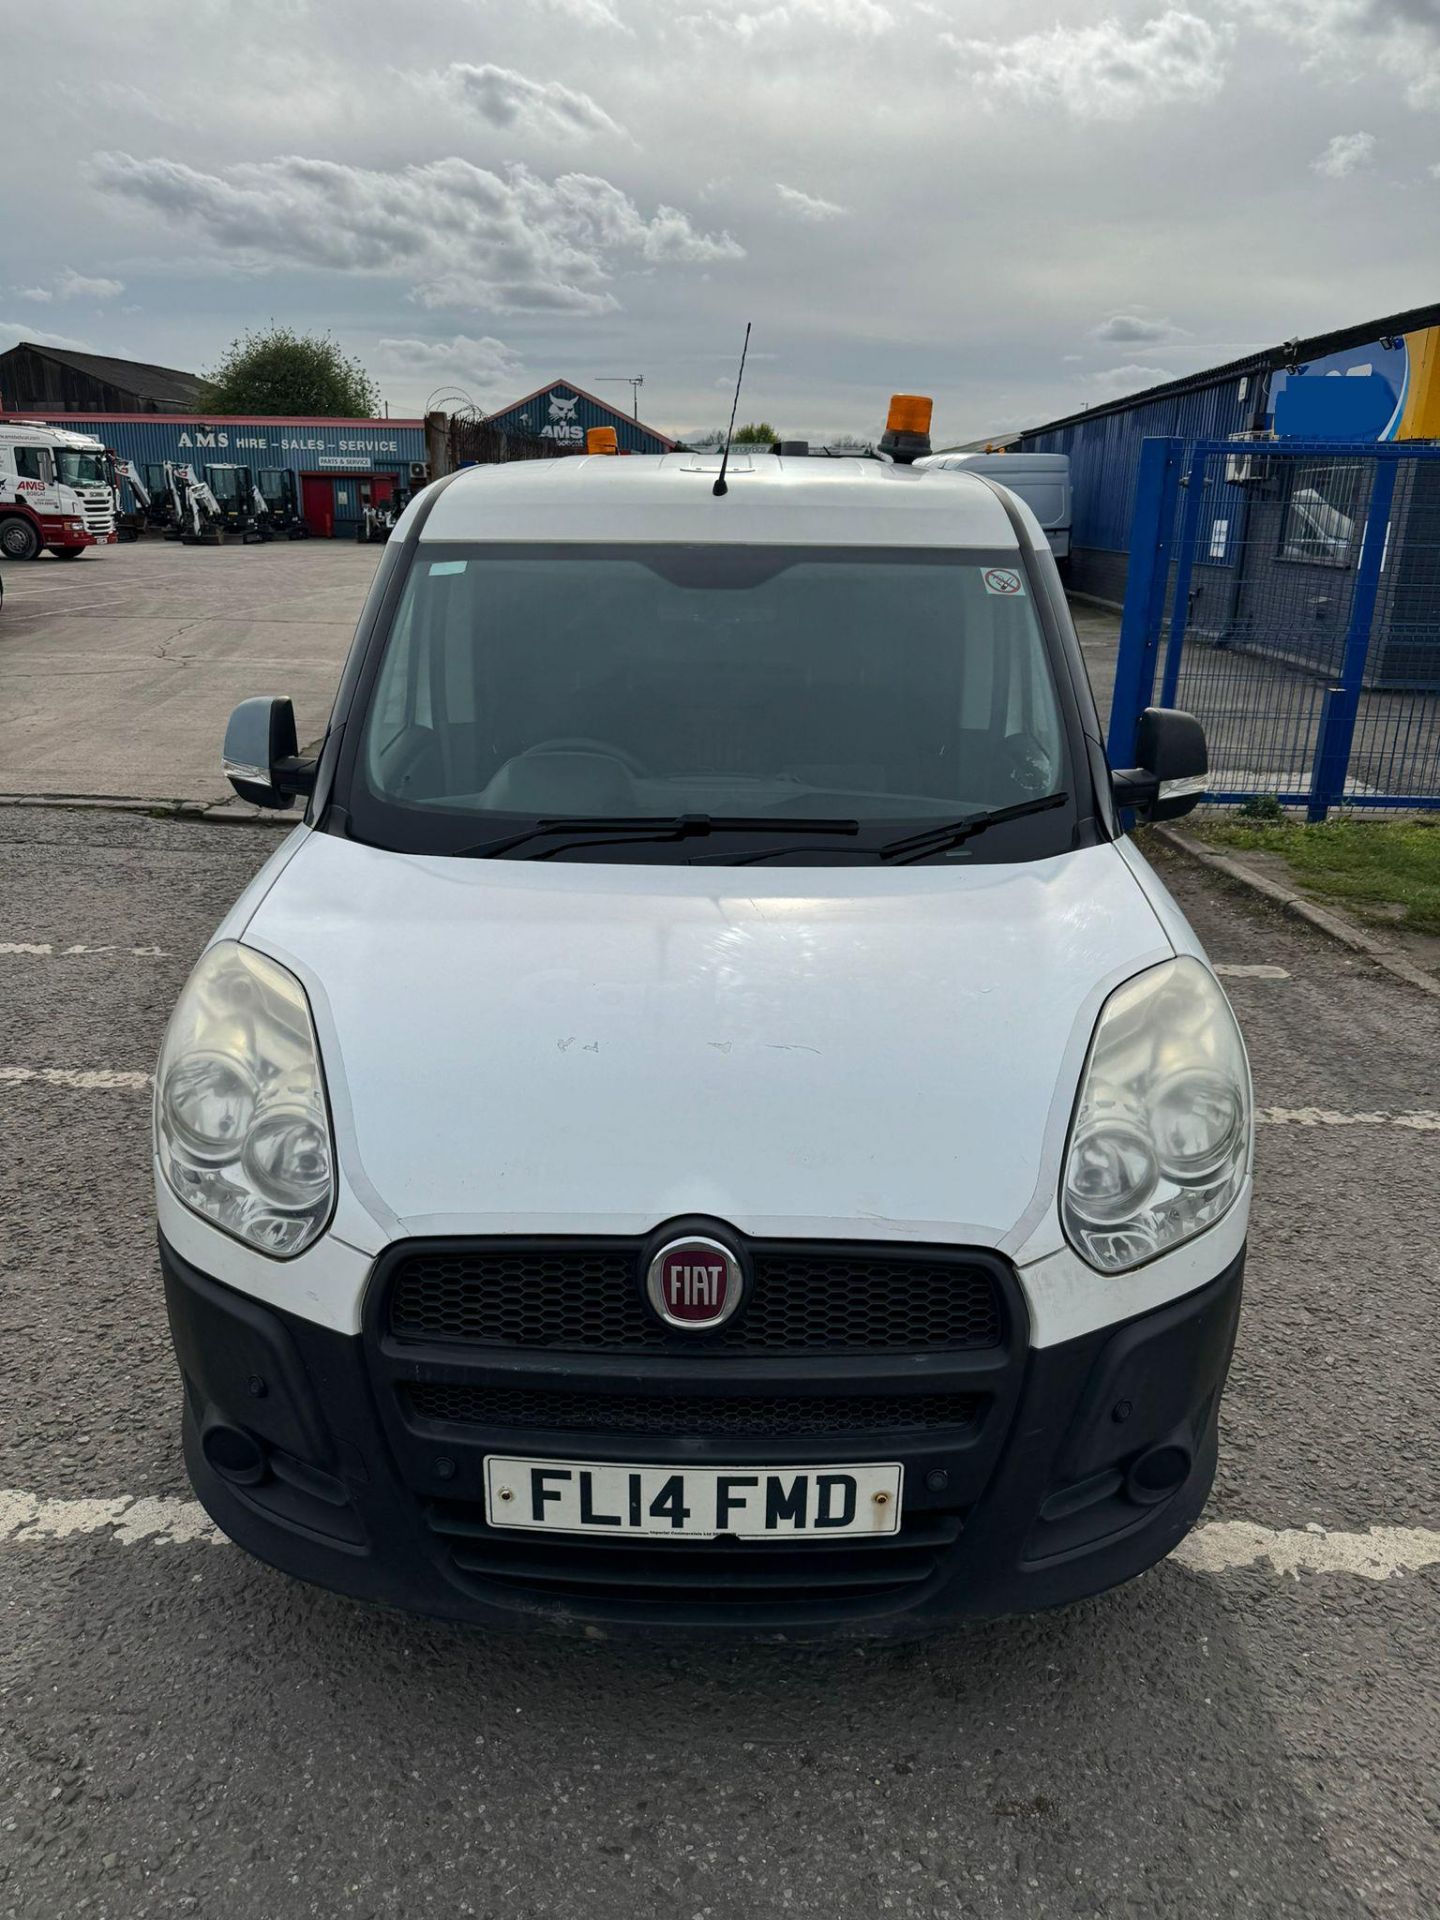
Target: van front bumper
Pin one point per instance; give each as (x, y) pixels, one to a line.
(1080, 1465)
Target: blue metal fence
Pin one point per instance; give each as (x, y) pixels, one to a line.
(1288, 594)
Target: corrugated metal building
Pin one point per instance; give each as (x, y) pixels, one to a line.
(341, 466)
(1379, 380)
(561, 412)
(43, 379)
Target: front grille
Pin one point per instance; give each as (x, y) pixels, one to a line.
(711, 1576)
(98, 511)
(669, 1414)
(803, 1299)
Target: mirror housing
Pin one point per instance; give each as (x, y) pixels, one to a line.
(260, 759)
(1170, 747)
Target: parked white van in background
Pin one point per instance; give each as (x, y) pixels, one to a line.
(1042, 481)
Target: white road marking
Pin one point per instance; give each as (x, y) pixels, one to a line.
(74, 606)
(1221, 1546)
(46, 950)
(1418, 1121)
(24, 1517)
(86, 1080)
(1378, 1554)
(1232, 972)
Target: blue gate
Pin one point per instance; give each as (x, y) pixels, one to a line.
(1287, 593)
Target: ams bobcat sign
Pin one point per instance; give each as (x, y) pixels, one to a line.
(562, 424)
(560, 413)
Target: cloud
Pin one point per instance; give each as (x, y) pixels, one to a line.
(1129, 379)
(809, 206)
(509, 100)
(473, 362)
(589, 13)
(457, 234)
(858, 19)
(1345, 154)
(69, 285)
(1134, 328)
(1110, 70)
(12, 331)
(1397, 38)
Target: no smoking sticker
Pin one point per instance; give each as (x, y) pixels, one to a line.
(1004, 581)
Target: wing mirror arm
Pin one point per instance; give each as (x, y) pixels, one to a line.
(1135, 787)
(260, 757)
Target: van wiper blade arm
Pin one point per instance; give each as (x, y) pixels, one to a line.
(915, 846)
(773, 853)
(644, 826)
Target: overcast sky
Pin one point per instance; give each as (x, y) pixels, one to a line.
(1018, 208)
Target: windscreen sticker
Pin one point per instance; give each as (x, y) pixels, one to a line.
(448, 566)
(1002, 580)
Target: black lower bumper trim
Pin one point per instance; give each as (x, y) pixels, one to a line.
(1099, 1469)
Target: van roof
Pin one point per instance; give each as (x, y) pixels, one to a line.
(997, 462)
(772, 501)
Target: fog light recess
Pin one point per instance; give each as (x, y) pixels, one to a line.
(234, 1454)
(1158, 1473)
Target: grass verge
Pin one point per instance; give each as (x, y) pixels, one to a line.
(1387, 870)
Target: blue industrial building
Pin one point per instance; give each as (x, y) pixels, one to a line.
(561, 413)
(1379, 380)
(341, 466)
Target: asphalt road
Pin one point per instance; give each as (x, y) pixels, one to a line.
(187, 1733)
(119, 670)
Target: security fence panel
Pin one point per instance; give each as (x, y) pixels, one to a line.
(1287, 593)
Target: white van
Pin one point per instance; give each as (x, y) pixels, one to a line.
(1042, 480)
(709, 1122)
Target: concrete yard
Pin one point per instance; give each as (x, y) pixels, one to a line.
(118, 671)
(1248, 1730)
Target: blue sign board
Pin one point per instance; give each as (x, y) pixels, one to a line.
(306, 446)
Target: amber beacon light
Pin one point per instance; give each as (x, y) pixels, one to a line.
(907, 427)
(601, 440)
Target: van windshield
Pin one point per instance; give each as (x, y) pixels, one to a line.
(882, 687)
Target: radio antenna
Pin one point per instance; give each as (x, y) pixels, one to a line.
(720, 486)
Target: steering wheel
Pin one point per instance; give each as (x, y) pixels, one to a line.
(582, 743)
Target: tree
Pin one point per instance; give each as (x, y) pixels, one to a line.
(759, 433)
(279, 371)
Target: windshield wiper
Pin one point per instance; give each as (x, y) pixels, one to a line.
(773, 853)
(621, 829)
(950, 833)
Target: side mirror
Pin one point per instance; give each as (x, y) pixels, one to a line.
(260, 758)
(1168, 782)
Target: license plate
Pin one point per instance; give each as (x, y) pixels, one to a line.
(692, 1503)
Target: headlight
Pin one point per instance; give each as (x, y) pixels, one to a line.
(240, 1116)
(1161, 1136)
